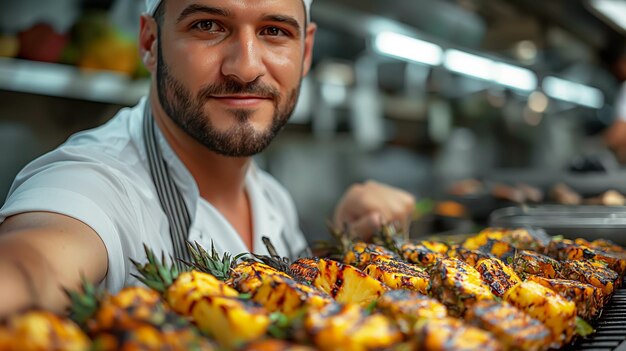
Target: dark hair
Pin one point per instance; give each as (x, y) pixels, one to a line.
(159, 13)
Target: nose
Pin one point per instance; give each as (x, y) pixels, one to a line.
(243, 57)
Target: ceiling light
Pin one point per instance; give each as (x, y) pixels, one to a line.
(468, 64)
(573, 92)
(611, 11)
(515, 77)
(405, 47)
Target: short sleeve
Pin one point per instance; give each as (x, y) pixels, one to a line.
(88, 192)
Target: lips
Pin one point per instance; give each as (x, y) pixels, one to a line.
(241, 100)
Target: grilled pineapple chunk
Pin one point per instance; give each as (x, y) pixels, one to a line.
(588, 299)
(419, 254)
(471, 257)
(451, 334)
(554, 311)
(497, 275)
(566, 249)
(345, 283)
(285, 295)
(457, 285)
(599, 276)
(398, 275)
(149, 337)
(360, 254)
(602, 245)
(527, 263)
(513, 328)
(329, 327)
(496, 248)
(230, 321)
(275, 345)
(247, 276)
(40, 330)
(436, 246)
(192, 286)
(520, 238)
(407, 307)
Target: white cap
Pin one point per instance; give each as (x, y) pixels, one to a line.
(151, 6)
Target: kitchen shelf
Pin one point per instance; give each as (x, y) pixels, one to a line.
(70, 82)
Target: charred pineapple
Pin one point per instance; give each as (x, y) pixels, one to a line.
(554, 311)
(407, 307)
(520, 238)
(496, 248)
(419, 254)
(150, 337)
(451, 334)
(565, 249)
(457, 285)
(513, 328)
(39, 330)
(345, 283)
(471, 257)
(527, 263)
(436, 246)
(497, 275)
(360, 254)
(398, 275)
(275, 345)
(599, 276)
(588, 299)
(208, 301)
(329, 327)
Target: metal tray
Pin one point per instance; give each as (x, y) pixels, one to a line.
(589, 222)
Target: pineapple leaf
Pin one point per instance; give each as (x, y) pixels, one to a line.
(85, 303)
(583, 328)
(156, 274)
(387, 235)
(212, 263)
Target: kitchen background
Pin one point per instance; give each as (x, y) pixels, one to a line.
(415, 93)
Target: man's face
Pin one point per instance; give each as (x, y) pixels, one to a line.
(229, 71)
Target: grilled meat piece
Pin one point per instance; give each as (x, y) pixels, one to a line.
(497, 275)
(532, 263)
(468, 256)
(345, 283)
(407, 307)
(360, 254)
(452, 334)
(419, 254)
(599, 276)
(566, 249)
(457, 285)
(398, 275)
(515, 329)
(588, 299)
(554, 311)
(329, 327)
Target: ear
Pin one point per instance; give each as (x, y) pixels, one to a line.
(309, 40)
(148, 35)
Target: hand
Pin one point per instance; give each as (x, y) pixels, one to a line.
(365, 207)
(615, 138)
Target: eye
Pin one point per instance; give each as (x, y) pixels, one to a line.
(274, 32)
(206, 26)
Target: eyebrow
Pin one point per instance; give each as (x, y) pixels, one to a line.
(195, 8)
(288, 20)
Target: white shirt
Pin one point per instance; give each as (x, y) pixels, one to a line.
(101, 177)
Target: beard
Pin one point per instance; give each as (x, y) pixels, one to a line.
(188, 112)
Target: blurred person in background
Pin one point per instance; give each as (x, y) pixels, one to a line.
(178, 166)
(615, 136)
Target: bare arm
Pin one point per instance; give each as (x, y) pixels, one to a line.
(42, 252)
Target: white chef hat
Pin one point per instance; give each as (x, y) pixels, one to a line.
(151, 6)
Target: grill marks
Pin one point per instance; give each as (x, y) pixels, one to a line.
(499, 276)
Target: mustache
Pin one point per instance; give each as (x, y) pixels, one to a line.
(234, 87)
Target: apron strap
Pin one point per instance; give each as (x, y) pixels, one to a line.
(170, 197)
